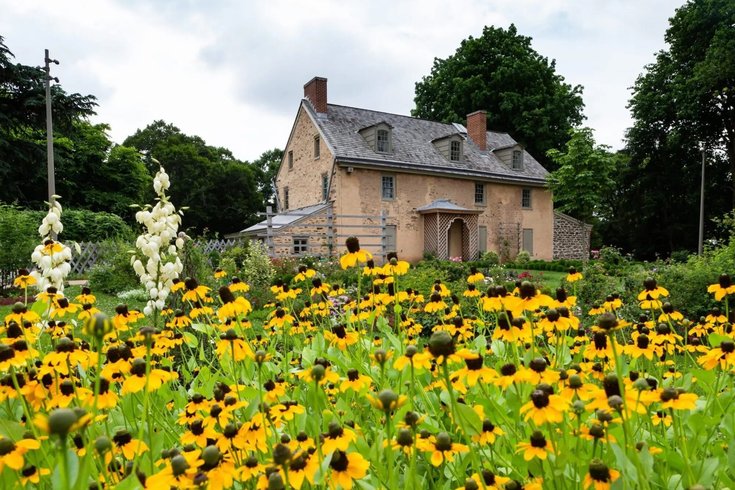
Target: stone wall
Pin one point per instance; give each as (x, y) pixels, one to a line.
(571, 237)
(314, 228)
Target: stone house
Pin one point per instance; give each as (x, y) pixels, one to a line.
(445, 189)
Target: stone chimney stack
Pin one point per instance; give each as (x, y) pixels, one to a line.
(316, 91)
(477, 128)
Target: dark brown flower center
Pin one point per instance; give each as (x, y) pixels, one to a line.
(538, 440)
(540, 399)
(339, 461)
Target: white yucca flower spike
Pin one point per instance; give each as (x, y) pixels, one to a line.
(157, 264)
(51, 257)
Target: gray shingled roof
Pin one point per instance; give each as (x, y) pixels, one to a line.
(412, 147)
(283, 219)
(444, 205)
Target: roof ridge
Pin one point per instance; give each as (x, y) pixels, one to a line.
(390, 114)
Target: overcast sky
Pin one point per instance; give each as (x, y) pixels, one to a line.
(233, 71)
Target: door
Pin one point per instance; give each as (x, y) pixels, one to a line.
(455, 239)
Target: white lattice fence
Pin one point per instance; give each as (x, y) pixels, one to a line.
(221, 245)
(84, 259)
(89, 252)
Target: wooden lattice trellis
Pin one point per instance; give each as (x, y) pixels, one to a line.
(431, 234)
(436, 234)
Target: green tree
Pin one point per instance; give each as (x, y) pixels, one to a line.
(266, 169)
(23, 127)
(221, 192)
(501, 73)
(679, 103)
(584, 177)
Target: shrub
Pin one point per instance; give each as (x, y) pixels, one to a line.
(18, 238)
(523, 257)
(196, 262)
(256, 268)
(490, 258)
(235, 256)
(112, 272)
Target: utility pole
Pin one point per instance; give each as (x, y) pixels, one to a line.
(700, 244)
(49, 128)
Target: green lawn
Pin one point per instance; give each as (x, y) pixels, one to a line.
(548, 279)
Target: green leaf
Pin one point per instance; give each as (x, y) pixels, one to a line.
(191, 339)
(468, 419)
(716, 339)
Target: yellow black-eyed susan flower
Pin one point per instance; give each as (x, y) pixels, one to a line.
(346, 468)
(545, 406)
(31, 474)
(441, 448)
(195, 292)
(24, 279)
(354, 255)
(723, 287)
(599, 476)
(355, 381)
(574, 275)
(125, 444)
(537, 447)
(677, 399)
(12, 453)
(338, 438)
(220, 273)
(722, 356)
(395, 267)
(137, 381)
(234, 347)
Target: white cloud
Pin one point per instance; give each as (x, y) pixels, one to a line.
(232, 72)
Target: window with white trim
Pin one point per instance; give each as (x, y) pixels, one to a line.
(382, 141)
(526, 199)
(517, 162)
(300, 245)
(455, 150)
(479, 193)
(388, 187)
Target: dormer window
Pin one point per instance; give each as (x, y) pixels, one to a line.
(517, 161)
(450, 147)
(455, 150)
(382, 141)
(378, 137)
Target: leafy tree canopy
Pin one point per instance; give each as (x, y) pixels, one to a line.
(23, 127)
(221, 192)
(684, 99)
(584, 177)
(501, 73)
(266, 169)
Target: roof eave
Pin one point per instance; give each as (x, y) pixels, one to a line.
(432, 170)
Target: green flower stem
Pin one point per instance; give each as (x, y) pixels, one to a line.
(389, 450)
(64, 464)
(681, 440)
(459, 419)
(629, 447)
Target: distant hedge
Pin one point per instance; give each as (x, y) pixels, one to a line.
(19, 232)
(80, 225)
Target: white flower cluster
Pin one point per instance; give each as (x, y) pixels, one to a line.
(159, 246)
(51, 257)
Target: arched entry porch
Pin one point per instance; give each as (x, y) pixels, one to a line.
(450, 230)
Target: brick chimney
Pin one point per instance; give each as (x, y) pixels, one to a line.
(477, 128)
(316, 91)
